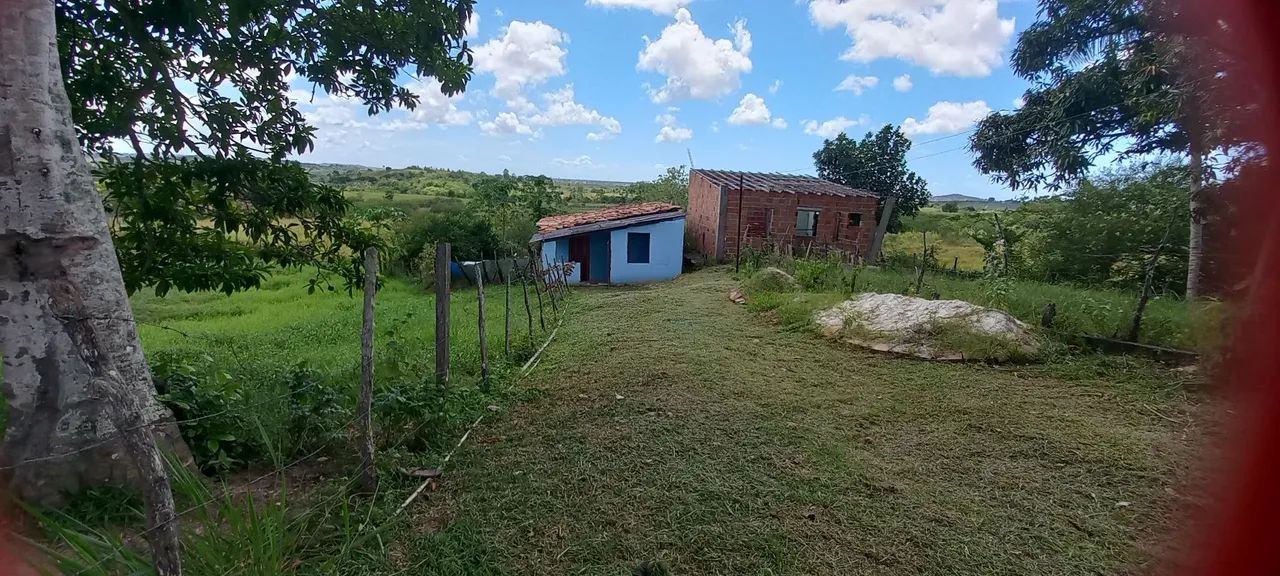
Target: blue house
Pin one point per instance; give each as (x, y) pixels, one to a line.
(627, 244)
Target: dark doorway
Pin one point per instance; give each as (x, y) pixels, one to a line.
(580, 252)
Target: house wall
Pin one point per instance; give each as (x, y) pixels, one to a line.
(834, 230)
(599, 268)
(666, 253)
(704, 214)
(558, 251)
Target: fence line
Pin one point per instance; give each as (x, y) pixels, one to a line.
(553, 281)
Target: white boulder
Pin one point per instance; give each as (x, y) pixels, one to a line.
(938, 329)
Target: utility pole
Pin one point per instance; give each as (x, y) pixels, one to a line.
(737, 243)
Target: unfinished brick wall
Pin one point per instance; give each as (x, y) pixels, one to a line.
(773, 215)
(703, 222)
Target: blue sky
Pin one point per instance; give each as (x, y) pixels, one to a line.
(619, 89)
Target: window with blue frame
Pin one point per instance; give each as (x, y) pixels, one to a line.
(637, 248)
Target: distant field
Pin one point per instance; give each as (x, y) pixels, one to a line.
(947, 231)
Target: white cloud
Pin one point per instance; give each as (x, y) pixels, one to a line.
(504, 158)
(833, 127)
(715, 127)
(1019, 102)
(436, 108)
(674, 134)
(498, 12)
(857, 84)
(340, 115)
(751, 110)
(779, 123)
(528, 53)
(473, 25)
(696, 66)
(506, 123)
(563, 110)
(947, 118)
(903, 83)
(670, 132)
(775, 87)
(657, 6)
(582, 161)
(959, 37)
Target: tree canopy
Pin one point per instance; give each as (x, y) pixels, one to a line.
(1109, 77)
(198, 93)
(877, 163)
(672, 186)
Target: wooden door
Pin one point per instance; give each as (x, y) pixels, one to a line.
(580, 252)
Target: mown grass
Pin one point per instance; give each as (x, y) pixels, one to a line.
(678, 427)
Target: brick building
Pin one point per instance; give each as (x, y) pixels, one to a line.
(790, 212)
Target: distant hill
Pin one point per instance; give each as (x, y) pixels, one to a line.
(604, 184)
(964, 201)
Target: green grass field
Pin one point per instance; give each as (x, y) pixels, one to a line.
(250, 346)
(666, 424)
(678, 427)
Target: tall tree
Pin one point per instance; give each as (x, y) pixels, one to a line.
(539, 195)
(1115, 78)
(197, 90)
(877, 163)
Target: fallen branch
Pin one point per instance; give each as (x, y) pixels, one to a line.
(525, 369)
(1169, 418)
(443, 464)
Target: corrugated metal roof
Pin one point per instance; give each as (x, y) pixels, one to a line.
(774, 182)
(623, 212)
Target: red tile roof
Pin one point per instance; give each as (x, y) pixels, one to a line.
(788, 183)
(623, 212)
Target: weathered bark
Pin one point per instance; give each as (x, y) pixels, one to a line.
(1195, 252)
(82, 409)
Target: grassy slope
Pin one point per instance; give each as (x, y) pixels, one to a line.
(255, 337)
(739, 448)
(282, 325)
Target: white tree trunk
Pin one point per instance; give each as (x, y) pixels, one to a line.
(82, 409)
(1195, 252)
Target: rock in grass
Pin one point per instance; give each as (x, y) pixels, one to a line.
(771, 280)
(936, 329)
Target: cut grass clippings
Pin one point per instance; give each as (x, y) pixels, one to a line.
(678, 428)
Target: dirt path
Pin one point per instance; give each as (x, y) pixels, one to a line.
(676, 426)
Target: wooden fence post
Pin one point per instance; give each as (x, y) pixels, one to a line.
(542, 319)
(484, 340)
(1135, 330)
(524, 287)
(558, 271)
(882, 227)
(368, 472)
(564, 277)
(955, 266)
(545, 276)
(506, 310)
(443, 258)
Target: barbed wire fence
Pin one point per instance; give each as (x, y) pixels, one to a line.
(548, 277)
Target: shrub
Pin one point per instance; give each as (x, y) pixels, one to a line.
(817, 274)
(318, 408)
(472, 236)
(770, 280)
(950, 207)
(209, 411)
